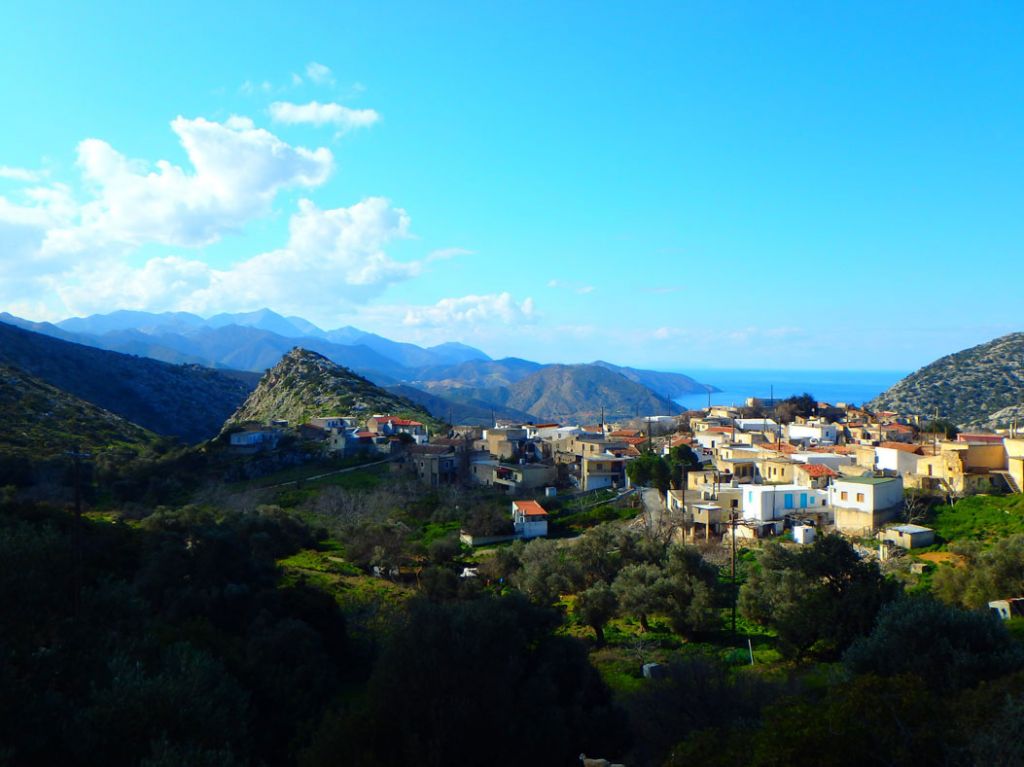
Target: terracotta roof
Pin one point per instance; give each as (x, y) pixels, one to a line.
(779, 447)
(837, 449)
(902, 446)
(631, 440)
(530, 508)
(546, 425)
(401, 422)
(720, 430)
(816, 470)
(626, 433)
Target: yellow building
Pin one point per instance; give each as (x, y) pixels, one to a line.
(961, 468)
(1015, 463)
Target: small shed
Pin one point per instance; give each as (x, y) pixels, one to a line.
(803, 534)
(909, 536)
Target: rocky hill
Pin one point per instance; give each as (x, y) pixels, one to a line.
(40, 421)
(185, 401)
(981, 386)
(305, 385)
(578, 392)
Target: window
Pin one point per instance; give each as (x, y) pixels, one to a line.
(860, 497)
(844, 495)
(788, 500)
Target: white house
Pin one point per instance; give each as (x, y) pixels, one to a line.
(254, 437)
(332, 422)
(763, 503)
(862, 504)
(529, 519)
(815, 432)
(896, 457)
(832, 460)
(757, 424)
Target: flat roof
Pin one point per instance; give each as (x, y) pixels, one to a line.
(868, 480)
(910, 529)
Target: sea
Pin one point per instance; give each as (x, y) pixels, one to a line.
(850, 386)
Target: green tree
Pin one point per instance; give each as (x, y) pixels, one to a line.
(689, 584)
(821, 596)
(595, 607)
(993, 573)
(546, 572)
(682, 461)
(483, 681)
(640, 591)
(650, 470)
(947, 647)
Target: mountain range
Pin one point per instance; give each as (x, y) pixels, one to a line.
(186, 401)
(978, 387)
(457, 378)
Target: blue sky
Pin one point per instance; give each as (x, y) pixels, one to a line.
(672, 185)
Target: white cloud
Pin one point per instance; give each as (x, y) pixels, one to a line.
(315, 113)
(21, 174)
(493, 308)
(333, 259)
(319, 73)
(238, 171)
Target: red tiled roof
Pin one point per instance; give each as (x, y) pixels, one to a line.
(779, 447)
(816, 470)
(401, 422)
(903, 446)
(720, 430)
(530, 508)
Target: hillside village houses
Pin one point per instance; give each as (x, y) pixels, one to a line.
(842, 468)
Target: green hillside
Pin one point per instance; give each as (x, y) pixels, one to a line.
(41, 421)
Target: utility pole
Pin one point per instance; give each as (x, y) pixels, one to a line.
(735, 591)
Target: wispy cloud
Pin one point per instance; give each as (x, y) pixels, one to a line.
(21, 174)
(319, 73)
(492, 308)
(315, 113)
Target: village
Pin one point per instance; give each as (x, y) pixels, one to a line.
(838, 468)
